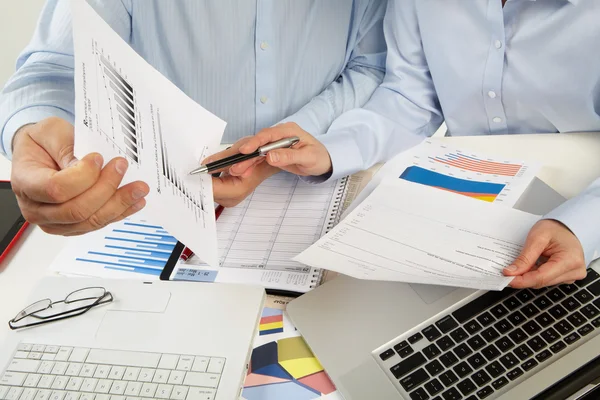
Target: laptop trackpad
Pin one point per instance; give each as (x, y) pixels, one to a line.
(147, 298)
(431, 293)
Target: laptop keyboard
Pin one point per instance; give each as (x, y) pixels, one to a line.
(492, 343)
(42, 372)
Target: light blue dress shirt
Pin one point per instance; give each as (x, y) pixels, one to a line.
(253, 63)
(532, 67)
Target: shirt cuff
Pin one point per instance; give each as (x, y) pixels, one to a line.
(577, 214)
(30, 115)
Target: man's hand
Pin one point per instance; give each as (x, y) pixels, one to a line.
(562, 251)
(64, 195)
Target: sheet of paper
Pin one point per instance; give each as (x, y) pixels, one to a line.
(124, 107)
(438, 164)
(415, 233)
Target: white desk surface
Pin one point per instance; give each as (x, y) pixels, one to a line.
(571, 162)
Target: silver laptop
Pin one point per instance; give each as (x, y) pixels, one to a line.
(389, 340)
(165, 340)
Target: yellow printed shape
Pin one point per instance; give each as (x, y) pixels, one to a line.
(272, 325)
(486, 198)
(296, 358)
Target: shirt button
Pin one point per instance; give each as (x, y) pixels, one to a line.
(264, 45)
(497, 120)
(498, 44)
(264, 99)
(492, 94)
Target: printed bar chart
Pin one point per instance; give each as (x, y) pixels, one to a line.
(474, 164)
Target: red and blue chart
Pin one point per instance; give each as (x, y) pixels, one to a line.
(271, 321)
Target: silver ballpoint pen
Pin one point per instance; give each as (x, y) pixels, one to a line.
(260, 152)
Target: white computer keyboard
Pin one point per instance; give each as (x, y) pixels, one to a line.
(41, 372)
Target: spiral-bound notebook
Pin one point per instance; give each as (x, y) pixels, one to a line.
(259, 237)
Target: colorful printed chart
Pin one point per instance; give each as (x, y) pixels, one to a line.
(271, 321)
(471, 163)
(286, 369)
(485, 191)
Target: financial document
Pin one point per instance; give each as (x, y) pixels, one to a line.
(416, 233)
(436, 163)
(124, 107)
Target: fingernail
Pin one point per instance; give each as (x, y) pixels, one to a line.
(121, 166)
(99, 161)
(138, 194)
(511, 268)
(139, 205)
(274, 157)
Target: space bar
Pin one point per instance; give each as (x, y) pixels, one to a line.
(478, 305)
(128, 358)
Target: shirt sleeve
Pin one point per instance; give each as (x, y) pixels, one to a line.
(402, 111)
(581, 215)
(363, 72)
(43, 85)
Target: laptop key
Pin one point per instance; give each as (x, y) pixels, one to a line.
(485, 392)
(490, 334)
(413, 380)
(448, 378)
(463, 369)
(524, 295)
(415, 338)
(544, 319)
(462, 350)
(408, 365)
(516, 318)
(431, 333)
(458, 335)
(446, 324)
(433, 387)
(473, 326)
(481, 378)
(556, 295)
(542, 302)
(490, 352)
(550, 335)
(403, 349)
(508, 360)
(557, 311)
(419, 394)
(452, 394)
(558, 347)
(572, 338)
(530, 310)
(596, 322)
(504, 344)
(590, 277)
(590, 311)
(431, 351)
(536, 343)
(466, 386)
(480, 304)
(543, 356)
(503, 326)
(531, 327)
(577, 319)
(434, 367)
(448, 359)
(445, 343)
(495, 369)
(476, 361)
(523, 352)
(583, 296)
(529, 364)
(594, 288)
(570, 304)
(517, 335)
(386, 354)
(563, 327)
(512, 303)
(568, 289)
(514, 374)
(499, 311)
(584, 330)
(499, 383)
(476, 342)
(486, 318)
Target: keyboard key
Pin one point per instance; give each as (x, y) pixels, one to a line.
(583, 296)
(558, 346)
(531, 327)
(462, 350)
(148, 389)
(523, 352)
(451, 394)
(163, 391)
(516, 318)
(87, 371)
(476, 342)
(499, 311)
(200, 364)
(486, 318)
(529, 364)
(542, 302)
(504, 344)
(431, 351)
(490, 334)
(116, 372)
(571, 304)
(584, 330)
(161, 376)
(13, 378)
(596, 303)
(503, 326)
(473, 326)
(201, 394)
(512, 303)
(118, 387)
(79, 355)
(536, 343)
(499, 383)
(60, 383)
(557, 311)
(596, 322)
(556, 295)
(590, 277)
(544, 319)
(433, 387)
(419, 394)
(476, 361)
(590, 311)
(529, 310)
(20, 365)
(448, 378)
(550, 335)
(167, 361)
(495, 369)
(176, 377)
(448, 359)
(466, 386)
(518, 335)
(543, 356)
(480, 304)
(568, 289)
(594, 288)
(146, 375)
(434, 367)
(408, 365)
(459, 335)
(563, 327)
(572, 338)
(508, 360)
(386, 354)
(128, 358)
(524, 295)
(514, 374)
(431, 333)
(204, 379)
(403, 349)
(185, 363)
(444, 343)
(179, 393)
(415, 338)
(446, 324)
(485, 392)
(577, 319)
(490, 352)
(413, 380)
(463, 369)
(480, 378)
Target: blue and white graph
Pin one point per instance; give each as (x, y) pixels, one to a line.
(124, 249)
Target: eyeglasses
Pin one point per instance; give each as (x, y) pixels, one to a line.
(76, 303)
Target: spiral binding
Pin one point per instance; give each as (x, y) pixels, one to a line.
(333, 218)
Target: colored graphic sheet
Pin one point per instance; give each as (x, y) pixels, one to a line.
(271, 321)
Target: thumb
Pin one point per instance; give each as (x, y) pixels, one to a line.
(533, 249)
(303, 158)
(56, 137)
